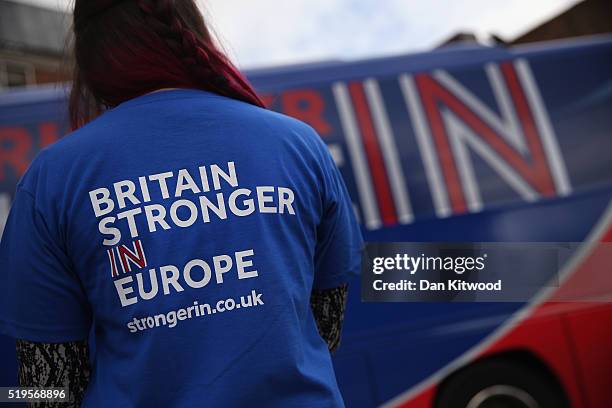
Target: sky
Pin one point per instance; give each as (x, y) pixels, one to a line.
(260, 33)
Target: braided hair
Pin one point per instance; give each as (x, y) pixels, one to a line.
(126, 48)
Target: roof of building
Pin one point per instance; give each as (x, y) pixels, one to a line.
(28, 28)
(586, 17)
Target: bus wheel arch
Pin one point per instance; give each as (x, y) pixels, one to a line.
(517, 378)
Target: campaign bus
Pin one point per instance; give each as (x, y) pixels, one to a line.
(465, 143)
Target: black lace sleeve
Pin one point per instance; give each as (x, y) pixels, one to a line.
(328, 308)
(54, 365)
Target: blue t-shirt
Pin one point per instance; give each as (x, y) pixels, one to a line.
(185, 232)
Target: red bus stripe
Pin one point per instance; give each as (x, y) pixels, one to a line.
(534, 171)
(427, 90)
(540, 170)
(373, 153)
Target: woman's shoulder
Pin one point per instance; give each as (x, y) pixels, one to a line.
(273, 127)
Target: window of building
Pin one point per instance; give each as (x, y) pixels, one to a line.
(15, 74)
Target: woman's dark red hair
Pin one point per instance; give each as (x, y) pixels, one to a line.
(126, 48)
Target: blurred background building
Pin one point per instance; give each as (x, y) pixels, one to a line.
(588, 17)
(32, 44)
(33, 38)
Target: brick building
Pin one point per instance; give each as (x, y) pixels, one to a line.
(32, 44)
(588, 17)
